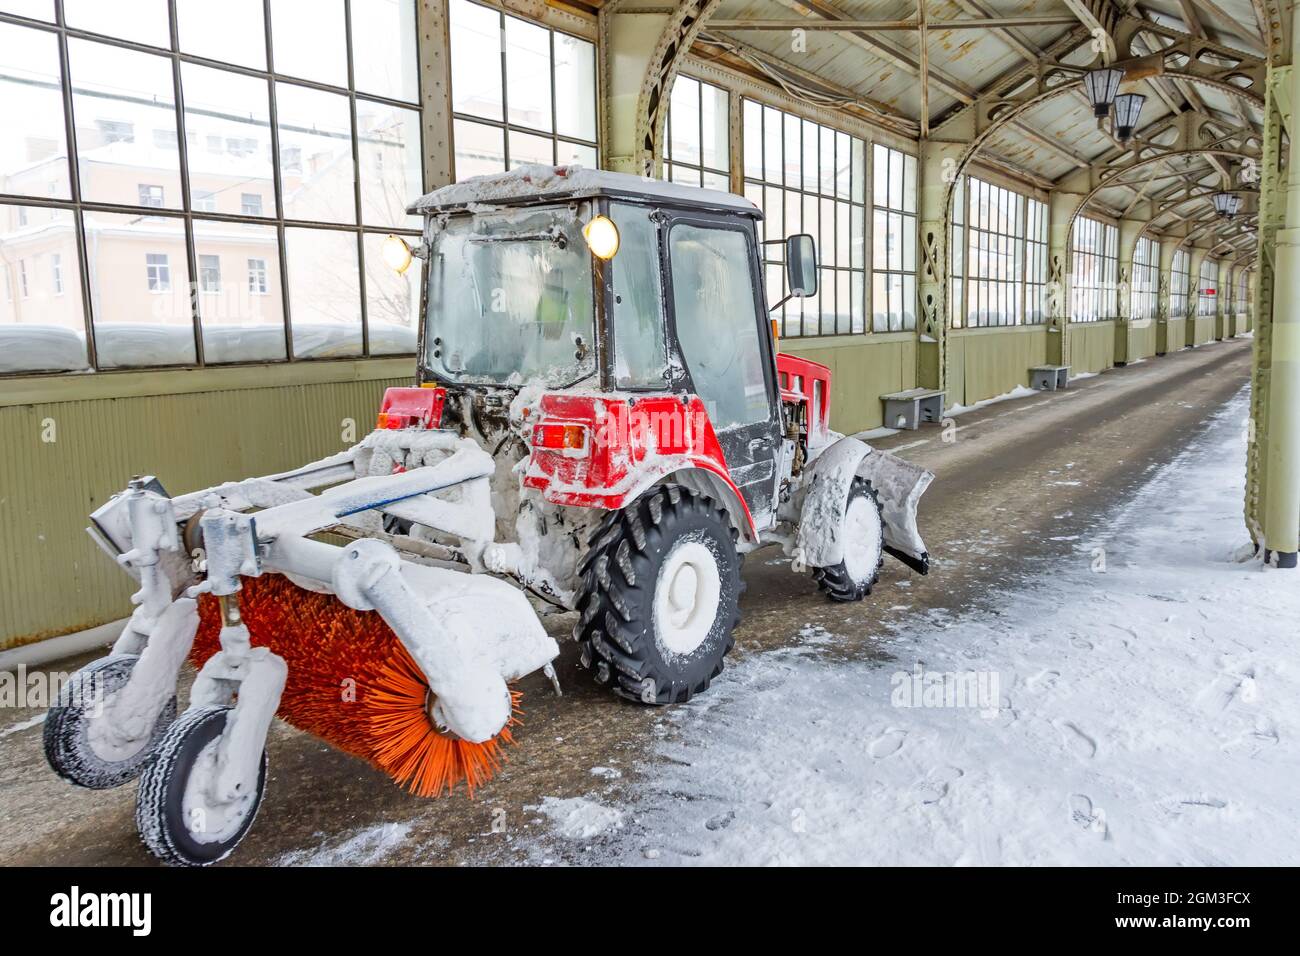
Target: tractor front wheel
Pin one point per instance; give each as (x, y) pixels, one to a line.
(661, 588)
(864, 539)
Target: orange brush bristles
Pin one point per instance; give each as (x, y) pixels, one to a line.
(353, 684)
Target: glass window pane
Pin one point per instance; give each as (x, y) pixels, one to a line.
(232, 31)
(42, 327)
(716, 148)
(810, 162)
(859, 171)
(316, 169)
(324, 292)
(826, 167)
(528, 74)
(879, 302)
(391, 175)
(793, 151)
(392, 302)
(880, 240)
(880, 175)
(36, 9)
(475, 60)
(383, 48)
(34, 151)
(145, 21)
(684, 121)
(569, 154)
(575, 87)
(242, 314)
(895, 180)
(752, 119)
(319, 53)
(896, 241)
(859, 302)
(227, 123)
(480, 149)
(639, 353)
(909, 184)
(772, 142)
(121, 96)
(527, 148)
(139, 290)
(774, 212)
(712, 283)
(717, 181)
(843, 165)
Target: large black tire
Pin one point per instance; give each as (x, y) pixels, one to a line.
(852, 579)
(159, 810)
(618, 628)
(67, 746)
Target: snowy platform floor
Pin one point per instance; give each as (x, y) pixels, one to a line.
(1139, 688)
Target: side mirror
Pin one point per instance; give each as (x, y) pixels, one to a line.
(801, 265)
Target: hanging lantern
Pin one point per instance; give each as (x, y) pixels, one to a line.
(1128, 106)
(1226, 204)
(1101, 87)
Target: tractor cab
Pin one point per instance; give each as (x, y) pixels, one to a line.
(589, 281)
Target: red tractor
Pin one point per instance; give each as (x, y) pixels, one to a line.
(602, 417)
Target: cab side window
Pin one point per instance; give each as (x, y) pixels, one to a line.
(638, 310)
(713, 297)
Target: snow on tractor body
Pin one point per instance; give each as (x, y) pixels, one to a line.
(601, 416)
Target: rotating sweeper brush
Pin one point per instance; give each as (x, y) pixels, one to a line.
(404, 664)
(629, 474)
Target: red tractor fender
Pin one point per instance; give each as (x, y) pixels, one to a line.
(597, 450)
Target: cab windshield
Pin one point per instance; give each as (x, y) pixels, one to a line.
(510, 298)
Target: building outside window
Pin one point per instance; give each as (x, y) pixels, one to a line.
(520, 93)
(809, 178)
(1096, 271)
(1207, 288)
(257, 276)
(697, 132)
(1146, 269)
(56, 272)
(158, 271)
(210, 273)
(1179, 280)
(151, 196)
(22, 278)
(893, 240)
(343, 94)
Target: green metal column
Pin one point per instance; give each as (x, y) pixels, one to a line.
(936, 171)
(1167, 248)
(1195, 256)
(1128, 237)
(1223, 301)
(1282, 505)
(1061, 208)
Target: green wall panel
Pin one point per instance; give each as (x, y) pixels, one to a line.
(862, 369)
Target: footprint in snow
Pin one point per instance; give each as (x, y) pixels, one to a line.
(1085, 815)
(1177, 806)
(721, 821)
(1079, 743)
(1043, 681)
(1081, 644)
(887, 744)
(936, 784)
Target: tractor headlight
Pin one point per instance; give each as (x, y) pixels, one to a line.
(602, 237)
(397, 254)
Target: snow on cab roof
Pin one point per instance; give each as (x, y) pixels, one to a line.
(571, 182)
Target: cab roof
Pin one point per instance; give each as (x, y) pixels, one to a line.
(531, 183)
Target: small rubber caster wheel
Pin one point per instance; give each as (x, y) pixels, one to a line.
(177, 817)
(82, 756)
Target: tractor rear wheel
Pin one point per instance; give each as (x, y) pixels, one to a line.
(661, 589)
(864, 541)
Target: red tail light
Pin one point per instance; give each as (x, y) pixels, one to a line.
(562, 436)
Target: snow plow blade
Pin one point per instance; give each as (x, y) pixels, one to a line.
(899, 485)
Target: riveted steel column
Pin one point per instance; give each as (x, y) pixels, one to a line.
(1167, 249)
(937, 172)
(1062, 207)
(1282, 506)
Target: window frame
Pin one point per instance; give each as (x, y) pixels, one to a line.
(909, 236)
(794, 315)
(504, 124)
(1145, 282)
(187, 212)
(1090, 301)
